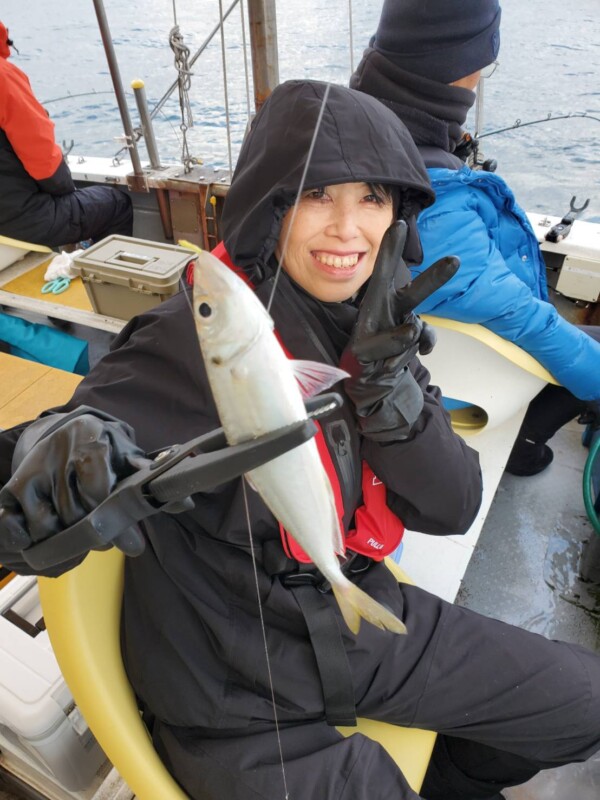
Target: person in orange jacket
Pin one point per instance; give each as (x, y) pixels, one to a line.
(39, 202)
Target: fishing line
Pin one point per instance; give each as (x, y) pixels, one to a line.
(247, 509)
(260, 610)
(173, 128)
(264, 633)
(277, 273)
(299, 195)
(79, 94)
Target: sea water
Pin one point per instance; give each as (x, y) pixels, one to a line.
(549, 65)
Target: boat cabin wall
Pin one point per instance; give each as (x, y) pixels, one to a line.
(168, 203)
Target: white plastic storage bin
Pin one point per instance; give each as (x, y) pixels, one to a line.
(39, 722)
(9, 254)
(12, 250)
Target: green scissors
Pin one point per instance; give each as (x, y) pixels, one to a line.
(56, 286)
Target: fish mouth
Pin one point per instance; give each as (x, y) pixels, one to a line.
(213, 278)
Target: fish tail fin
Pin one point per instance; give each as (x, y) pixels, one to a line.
(354, 604)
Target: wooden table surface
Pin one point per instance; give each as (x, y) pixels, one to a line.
(28, 388)
(30, 283)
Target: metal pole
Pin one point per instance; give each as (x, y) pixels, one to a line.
(117, 85)
(479, 107)
(263, 41)
(142, 105)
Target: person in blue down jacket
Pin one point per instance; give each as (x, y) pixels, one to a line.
(424, 62)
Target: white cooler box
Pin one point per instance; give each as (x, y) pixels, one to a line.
(39, 722)
(13, 250)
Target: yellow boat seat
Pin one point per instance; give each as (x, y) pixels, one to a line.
(12, 250)
(82, 612)
(491, 378)
(7, 241)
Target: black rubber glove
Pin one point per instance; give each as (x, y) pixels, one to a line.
(386, 337)
(64, 466)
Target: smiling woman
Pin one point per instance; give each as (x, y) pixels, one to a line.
(221, 584)
(331, 238)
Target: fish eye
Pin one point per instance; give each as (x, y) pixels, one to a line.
(204, 310)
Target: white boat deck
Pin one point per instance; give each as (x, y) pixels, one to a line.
(524, 571)
(438, 563)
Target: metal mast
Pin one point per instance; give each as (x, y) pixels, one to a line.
(263, 42)
(119, 93)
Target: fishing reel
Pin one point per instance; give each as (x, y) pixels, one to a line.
(468, 151)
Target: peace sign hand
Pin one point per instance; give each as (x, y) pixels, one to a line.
(386, 338)
(387, 325)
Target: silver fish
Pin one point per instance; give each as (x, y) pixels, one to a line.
(256, 391)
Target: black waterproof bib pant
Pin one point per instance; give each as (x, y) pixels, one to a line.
(554, 406)
(90, 213)
(507, 703)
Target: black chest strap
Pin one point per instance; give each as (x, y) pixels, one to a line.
(330, 653)
(312, 593)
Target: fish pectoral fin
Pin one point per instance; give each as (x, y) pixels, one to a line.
(314, 377)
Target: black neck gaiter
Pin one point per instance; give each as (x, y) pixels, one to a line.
(433, 112)
(336, 319)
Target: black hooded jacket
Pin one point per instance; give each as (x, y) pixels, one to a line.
(356, 141)
(192, 637)
(32, 169)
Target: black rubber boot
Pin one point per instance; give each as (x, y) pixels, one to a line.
(528, 458)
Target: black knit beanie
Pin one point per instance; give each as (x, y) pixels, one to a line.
(443, 40)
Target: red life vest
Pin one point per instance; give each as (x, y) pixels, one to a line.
(378, 530)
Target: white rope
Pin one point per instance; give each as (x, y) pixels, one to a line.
(184, 77)
(225, 92)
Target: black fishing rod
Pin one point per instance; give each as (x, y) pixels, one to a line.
(550, 118)
(468, 147)
(80, 94)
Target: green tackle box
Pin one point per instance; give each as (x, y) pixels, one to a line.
(124, 276)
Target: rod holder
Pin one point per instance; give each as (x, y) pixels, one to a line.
(139, 92)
